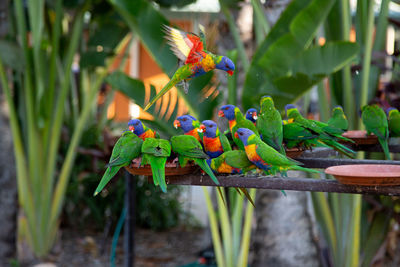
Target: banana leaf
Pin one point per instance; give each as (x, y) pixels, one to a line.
(276, 56)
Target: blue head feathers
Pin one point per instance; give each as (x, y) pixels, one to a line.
(227, 111)
(226, 64)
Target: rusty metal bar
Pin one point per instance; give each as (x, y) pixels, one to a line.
(278, 183)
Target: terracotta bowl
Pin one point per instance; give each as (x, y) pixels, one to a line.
(360, 137)
(170, 169)
(294, 152)
(366, 174)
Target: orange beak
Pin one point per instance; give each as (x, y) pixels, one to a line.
(230, 72)
(177, 124)
(221, 113)
(236, 135)
(202, 128)
(131, 128)
(255, 117)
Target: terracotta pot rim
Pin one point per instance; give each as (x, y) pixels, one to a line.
(365, 170)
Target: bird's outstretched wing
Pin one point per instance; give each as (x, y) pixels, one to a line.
(188, 47)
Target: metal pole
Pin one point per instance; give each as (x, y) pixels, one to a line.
(129, 228)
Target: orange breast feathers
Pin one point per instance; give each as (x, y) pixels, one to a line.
(195, 134)
(252, 154)
(232, 124)
(148, 134)
(212, 144)
(224, 168)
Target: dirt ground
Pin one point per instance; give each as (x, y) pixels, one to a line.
(171, 248)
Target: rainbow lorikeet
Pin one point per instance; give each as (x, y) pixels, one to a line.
(295, 135)
(338, 119)
(375, 121)
(190, 49)
(127, 148)
(231, 162)
(215, 142)
(155, 152)
(189, 149)
(190, 126)
(251, 115)
(236, 120)
(143, 132)
(326, 134)
(269, 124)
(265, 157)
(394, 122)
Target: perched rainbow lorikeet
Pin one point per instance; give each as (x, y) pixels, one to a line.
(215, 142)
(338, 119)
(231, 162)
(375, 121)
(269, 124)
(295, 135)
(236, 120)
(127, 148)
(143, 132)
(251, 115)
(189, 125)
(155, 152)
(189, 149)
(326, 134)
(265, 157)
(190, 49)
(394, 122)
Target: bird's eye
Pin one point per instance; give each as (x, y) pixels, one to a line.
(241, 133)
(184, 119)
(226, 108)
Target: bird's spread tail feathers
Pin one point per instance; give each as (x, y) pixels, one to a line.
(168, 86)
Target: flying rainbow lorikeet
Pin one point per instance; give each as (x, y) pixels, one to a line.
(143, 132)
(190, 49)
(189, 125)
(215, 142)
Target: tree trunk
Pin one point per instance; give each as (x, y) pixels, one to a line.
(283, 236)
